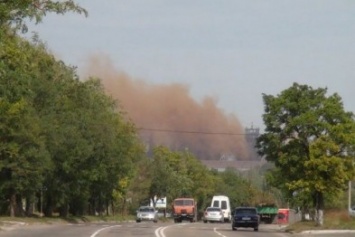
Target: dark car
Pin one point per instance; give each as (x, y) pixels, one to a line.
(246, 217)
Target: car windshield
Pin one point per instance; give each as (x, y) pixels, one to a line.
(245, 211)
(146, 209)
(213, 209)
(184, 202)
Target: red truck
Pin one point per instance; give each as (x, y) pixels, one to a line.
(184, 209)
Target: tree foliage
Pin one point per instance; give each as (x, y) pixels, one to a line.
(240, 189)
(15, 12)
(174, 174)
(64, 142)
(179, 174)
(310, 139)
(66, 146)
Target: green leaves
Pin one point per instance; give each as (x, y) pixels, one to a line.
(310, 139)
(15, 12)
(56, 131)
(59, 132)
(173, 174)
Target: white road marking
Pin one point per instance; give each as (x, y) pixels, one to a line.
(215, 230)
(98, 231)
(160, 231)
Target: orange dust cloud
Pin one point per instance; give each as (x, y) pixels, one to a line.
(167, 115)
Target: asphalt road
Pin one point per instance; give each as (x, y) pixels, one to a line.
(148, 229)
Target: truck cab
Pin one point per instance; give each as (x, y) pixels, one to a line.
(184, 209)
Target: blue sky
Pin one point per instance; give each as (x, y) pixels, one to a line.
(232, 50)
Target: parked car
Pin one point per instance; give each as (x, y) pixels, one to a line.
(246, 217)
(146, 213)
(213, 214)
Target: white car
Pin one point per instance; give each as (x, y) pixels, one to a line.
(213, 214)
(352, 211)
(146, 213)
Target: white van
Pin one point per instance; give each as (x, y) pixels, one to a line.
(222, 202)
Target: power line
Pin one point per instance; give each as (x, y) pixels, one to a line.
(191, 132)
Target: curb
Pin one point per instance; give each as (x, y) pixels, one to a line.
(319, 232)
(10, 225)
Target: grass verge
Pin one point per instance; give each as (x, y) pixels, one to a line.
(4, 220)
(333, 220)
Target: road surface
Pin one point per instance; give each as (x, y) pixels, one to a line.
(149, 229)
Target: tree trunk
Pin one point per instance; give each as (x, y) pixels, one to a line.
(92, 207)
(29, 206)
(320, 217)
(107, 207)
(19, 207)
(319, 206)
(48, 206)
(64, 210)
(113, 207)
(101, 206)
(123, 212)
(12, 203)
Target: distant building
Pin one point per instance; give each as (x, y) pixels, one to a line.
(240, 165)
(230, 161)
(251, 134)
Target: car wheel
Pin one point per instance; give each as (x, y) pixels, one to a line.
(155, 221)
(204, 221)
(138, 221)
(233, 228)
(256, 229)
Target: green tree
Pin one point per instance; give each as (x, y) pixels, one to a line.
(15, 12)
(180, 174)
(204, 181)
(24, 157)
(139, 190)
(169, 174)
(93, 148)
(236, 187)
(71, 137)
(310, 139)
(57, 133)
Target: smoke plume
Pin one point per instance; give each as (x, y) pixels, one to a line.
(167, 115)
